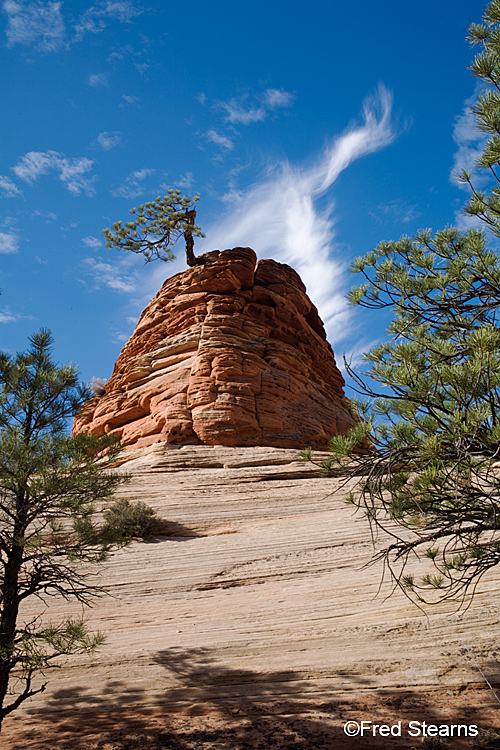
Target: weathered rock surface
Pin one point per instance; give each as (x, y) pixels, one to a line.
(255, 623)
(230, 353)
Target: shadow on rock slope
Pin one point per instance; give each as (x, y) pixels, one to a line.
(214, 707)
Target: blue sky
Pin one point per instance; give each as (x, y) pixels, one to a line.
(311, 133)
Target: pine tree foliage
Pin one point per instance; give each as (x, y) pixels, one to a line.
(429, 399)
(485, 204)
(52, 490)
(432, 418)
(157, 227)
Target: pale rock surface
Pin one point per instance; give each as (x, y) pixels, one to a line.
(260, 598)
(229, 353)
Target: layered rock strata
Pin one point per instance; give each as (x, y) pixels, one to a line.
(229, 353)
(255, 622)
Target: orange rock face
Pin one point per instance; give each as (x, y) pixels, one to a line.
(229, 353)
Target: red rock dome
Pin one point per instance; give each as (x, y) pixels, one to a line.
(232, 353)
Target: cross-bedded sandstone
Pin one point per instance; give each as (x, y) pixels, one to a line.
(232, 352)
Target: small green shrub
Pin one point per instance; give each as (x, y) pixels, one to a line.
(126, 519)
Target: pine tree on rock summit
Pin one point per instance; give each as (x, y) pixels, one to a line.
(157, 227)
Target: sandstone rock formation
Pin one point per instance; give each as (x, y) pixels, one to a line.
(229, 353)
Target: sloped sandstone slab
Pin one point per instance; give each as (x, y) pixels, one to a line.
(258, 602)
(229, 353)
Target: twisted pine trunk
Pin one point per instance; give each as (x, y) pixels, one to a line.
(191, 258)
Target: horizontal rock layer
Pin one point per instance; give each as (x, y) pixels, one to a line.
(229, 353)
(257, 602)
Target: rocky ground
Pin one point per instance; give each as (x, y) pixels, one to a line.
(254, 623)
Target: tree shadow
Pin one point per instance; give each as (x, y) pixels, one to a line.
(215, 707)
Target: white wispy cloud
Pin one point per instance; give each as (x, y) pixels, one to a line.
(118, 337)
(233, 197)
(186, 181)
(98, 79)
(9, 188)
(47, 215)
(72, 172)
(239, 111)
(469, 141)
(9, 242)
(236, 112)
(220, 140)
(34, 164)
(97, 18)
(396, 211)
(36, 24)
(133, 185)
(43, 27)
(92, 241)
(277, 98)
(470, 144)
(107, 141)
(116, 276)
(130, 99)
(6, 316)
(279, 219)
(244, 110)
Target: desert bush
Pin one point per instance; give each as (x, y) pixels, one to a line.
(131, 519)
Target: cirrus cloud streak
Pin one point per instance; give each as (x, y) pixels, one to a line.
(279, 218)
